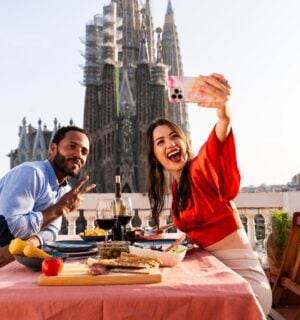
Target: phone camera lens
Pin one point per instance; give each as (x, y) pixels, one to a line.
(180, 96)
(176, 90)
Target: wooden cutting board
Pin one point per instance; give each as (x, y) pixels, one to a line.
(76, 274)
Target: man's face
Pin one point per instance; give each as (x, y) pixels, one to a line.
(70, 155)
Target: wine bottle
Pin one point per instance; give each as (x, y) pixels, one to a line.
(120, 208)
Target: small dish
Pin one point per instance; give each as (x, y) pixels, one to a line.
(92, 238)
(169, 258)
(71, 246)
(35, 264)
(112, 249)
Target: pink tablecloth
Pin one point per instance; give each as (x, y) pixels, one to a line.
(200, 287)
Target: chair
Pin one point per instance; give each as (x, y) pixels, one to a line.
(287, 283)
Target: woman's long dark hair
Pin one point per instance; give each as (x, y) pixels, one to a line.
(156, 179)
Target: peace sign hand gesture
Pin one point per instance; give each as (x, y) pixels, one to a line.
(68, 202)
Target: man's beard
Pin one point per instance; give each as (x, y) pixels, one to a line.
(61, 164)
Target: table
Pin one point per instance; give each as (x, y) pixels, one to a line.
(200, 287)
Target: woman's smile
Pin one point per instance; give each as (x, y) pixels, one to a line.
(169, 150)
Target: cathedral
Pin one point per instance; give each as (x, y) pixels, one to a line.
(34, 143)
(127, 62)
(125, 74)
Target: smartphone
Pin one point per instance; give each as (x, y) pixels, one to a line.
(186, 89)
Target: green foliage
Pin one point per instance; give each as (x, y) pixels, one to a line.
(281, 226)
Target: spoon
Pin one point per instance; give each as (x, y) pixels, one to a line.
(176, 243)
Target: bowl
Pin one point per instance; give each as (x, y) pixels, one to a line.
(92, 238)
(168, 259)
(35, 264)
(112, 249)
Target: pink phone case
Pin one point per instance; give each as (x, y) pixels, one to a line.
(185, 89)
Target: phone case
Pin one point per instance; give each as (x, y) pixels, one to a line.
(186, 89)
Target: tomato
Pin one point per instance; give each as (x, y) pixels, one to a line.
(52, 266)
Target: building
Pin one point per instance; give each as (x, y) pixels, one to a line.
(34, 143)
(125, 73)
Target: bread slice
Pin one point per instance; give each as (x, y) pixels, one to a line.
(131, 270)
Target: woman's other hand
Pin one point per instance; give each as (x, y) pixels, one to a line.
(218, 88)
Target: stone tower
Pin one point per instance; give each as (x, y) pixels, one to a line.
(125, 77)
(34, 143)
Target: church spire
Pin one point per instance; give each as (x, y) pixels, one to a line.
(169, 9)
(149, 32)
(143, 50)
(170, 43)
(158, 45)
(24, 142)
(172, 58)
(39, 150)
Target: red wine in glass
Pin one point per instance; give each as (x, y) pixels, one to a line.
(125, 216)
(106, 223)
(124, 219)
(105, 215)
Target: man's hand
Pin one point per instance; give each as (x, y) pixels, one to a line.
(73, 199)
(69, 202)
(5, 256)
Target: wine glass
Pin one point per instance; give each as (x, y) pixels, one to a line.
(106, 215)
(124, 216)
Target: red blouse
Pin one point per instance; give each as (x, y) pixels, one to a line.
(215, 180)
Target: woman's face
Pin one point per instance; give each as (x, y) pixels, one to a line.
(170, 150)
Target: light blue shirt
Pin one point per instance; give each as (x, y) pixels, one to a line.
(25, 191)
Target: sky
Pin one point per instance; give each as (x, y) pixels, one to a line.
(255, 44)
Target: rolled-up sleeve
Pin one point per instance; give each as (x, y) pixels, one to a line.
(216, 164)
(24, 195)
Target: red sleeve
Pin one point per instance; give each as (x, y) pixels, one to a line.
(216, 165)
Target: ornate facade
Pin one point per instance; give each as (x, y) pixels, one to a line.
(34, 143)
(125, 76)
(125, 72)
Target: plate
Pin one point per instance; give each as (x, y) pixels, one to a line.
(168, 259)
(161, 242)
(72, 246)
(35, 264)
(84, 254)
(93, 238)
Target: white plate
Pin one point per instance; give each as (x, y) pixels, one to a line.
(169, 259)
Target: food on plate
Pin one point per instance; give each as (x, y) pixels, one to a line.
(94, 232)
(98, 269)
(126, 263)
(168, 258)
(132, 270)
(29, 255)
(34, 252)
(156, 247)
(17, 246)
(52, 266)
(90, 261)
(113, 249)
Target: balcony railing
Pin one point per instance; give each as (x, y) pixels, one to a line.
(254, 209)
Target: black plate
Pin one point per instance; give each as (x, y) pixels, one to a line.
(93, 238)
(35, 264)
(72, 246)
(81, 255)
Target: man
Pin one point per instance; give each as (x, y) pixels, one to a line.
(35, 195)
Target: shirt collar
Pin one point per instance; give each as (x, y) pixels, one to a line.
(52, 176)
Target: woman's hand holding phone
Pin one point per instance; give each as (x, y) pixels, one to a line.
(203, 90)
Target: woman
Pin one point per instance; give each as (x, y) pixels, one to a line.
(204, 186)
